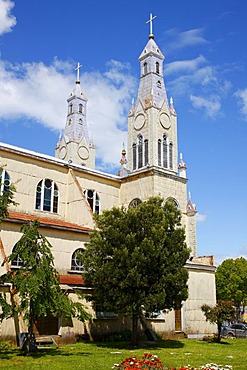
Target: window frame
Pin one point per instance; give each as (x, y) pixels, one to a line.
(4, 176)
(74, 266)
(93, 201)
(46, 200)
(18, 262)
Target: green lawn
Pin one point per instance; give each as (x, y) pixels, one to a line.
(102, 356)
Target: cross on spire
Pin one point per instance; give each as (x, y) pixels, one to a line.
(151, 24)
(78, 72)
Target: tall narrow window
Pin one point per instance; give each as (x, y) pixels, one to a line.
(165, 154)
(157, 68)
(93, 200)
(4, 181)
(70, 108)
(134, 156)
(171, 156)
(80, 108)
(145, 152)
(159, 152)
(47, 196)
(145, 68)
(140, 151)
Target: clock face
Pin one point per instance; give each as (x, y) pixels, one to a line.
(165, 120)
(83, 152)
(139, 121)
(62, 152)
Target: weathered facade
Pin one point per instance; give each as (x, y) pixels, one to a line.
(62, 192)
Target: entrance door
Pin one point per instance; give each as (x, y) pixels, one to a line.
(178, 320)
(46, 325)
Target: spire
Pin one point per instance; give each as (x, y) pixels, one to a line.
(132, 108)
(191, 208)
(182, 167)
(75, 144)
(123, 171)
(151, 72)
(150, 21)
(172, 109)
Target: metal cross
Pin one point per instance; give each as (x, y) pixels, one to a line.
(78, 71)
(151, 22)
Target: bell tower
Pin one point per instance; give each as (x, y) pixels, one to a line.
(74, 145)
(152, 122)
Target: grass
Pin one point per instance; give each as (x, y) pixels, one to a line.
(102, 356)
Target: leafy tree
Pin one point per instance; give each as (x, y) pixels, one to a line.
(222, 311)
(6, 199)
(231, 281)
(36, 282)
(135, 260)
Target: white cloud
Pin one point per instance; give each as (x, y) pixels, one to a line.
(210, 106)
(187, 38)
(38, 92)
(184, 65)
(7, 20)
(200, 82)
(200, 217)
(242, 95)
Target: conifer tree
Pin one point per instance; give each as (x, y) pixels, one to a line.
(36, 282)
(36, 290)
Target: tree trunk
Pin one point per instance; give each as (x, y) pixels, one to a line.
(134, 334)
(30, 342)
(219, 332)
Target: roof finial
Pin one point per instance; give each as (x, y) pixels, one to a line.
(151, 36)
(78, 72)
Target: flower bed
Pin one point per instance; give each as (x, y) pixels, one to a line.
(152, 362)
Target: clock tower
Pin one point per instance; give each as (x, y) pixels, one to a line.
(74, 145)
(152, 121)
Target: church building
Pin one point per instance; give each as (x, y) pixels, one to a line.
(63, 192)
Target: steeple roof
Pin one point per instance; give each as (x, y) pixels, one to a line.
(151, 49)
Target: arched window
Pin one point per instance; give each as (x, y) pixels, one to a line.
(80, 121)
(4, 181)
(174, 201)
(165, 154)
(134, 156)
(80, 108)
(158, 84)
(76, 260)
(171, 156)
(159, 152)
(47, 196)
(70, 108)
(93, 200)
(157, 67)
(17, 261)
(145, 68)
(135, 203)
(140, 151)
(145, 152)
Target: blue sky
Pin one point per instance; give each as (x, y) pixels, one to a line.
(205, 72)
